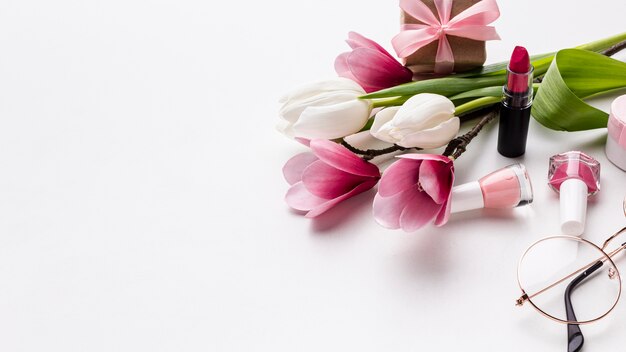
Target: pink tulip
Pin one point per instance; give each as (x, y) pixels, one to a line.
(413, 191)
(370, 65)
(324, 178)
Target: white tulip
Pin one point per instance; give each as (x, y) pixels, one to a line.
(328, 109)
(424, 121)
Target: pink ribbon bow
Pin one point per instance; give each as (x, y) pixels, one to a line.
(471, 23)
(617, 131)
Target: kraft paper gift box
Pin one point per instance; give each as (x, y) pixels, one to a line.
(468, 53)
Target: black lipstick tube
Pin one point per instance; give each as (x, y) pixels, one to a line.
(515, 113)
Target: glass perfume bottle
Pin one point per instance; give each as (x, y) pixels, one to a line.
(575, 176)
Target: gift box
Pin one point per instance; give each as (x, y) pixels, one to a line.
(467, 53)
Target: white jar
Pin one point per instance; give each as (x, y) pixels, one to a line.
(616, 140)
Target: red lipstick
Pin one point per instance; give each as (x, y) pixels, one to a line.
(517, 97)
(520, 64)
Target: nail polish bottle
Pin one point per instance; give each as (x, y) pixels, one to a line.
(575, 176)
(508, 187)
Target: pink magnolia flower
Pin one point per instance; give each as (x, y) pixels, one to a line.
(370, 65)
(413, 191)
(324, 178)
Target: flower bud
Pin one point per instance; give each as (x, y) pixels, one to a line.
(424, 121)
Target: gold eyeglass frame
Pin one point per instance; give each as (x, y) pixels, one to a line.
(606, 257)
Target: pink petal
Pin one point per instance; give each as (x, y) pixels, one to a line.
(355, 40)
(295, 166)
(444, 213)
(375, 71)
(342, 68)
(325, 181)
(341, 158)
(400, 176)
(416, 156)
(303, 141)
(435, 179)
(387, 210)
(320, 209)
(419, 211)
(299, 198)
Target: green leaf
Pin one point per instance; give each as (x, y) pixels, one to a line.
(573, 75)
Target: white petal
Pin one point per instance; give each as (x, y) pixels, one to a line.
(292, 110)
(285, 127)
(364, 140)
(335, 121)
(383, 123)
(433, 137)
(439, 111)
(384, 135)
(384, 116)
(424, 111)
(333, 84)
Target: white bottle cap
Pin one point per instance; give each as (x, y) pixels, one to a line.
(467, 196)
(573, 197)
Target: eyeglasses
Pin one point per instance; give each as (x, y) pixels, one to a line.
(571, 280)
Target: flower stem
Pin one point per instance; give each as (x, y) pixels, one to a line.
(457, 146)
(370, 154)
(382, 103)
(480, 113)
(603, 44)
(476, 104)
(614, 49)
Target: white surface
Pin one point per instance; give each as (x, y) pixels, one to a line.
(466, 197)
(573, 206)
(141, 190)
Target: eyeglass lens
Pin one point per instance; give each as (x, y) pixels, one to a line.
(557, 269)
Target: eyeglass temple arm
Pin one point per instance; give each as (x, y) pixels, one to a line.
(575, 338)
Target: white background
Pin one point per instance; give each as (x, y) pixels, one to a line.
(141, 194)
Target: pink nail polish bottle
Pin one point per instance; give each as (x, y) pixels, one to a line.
(574, 176)
(508, 187)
